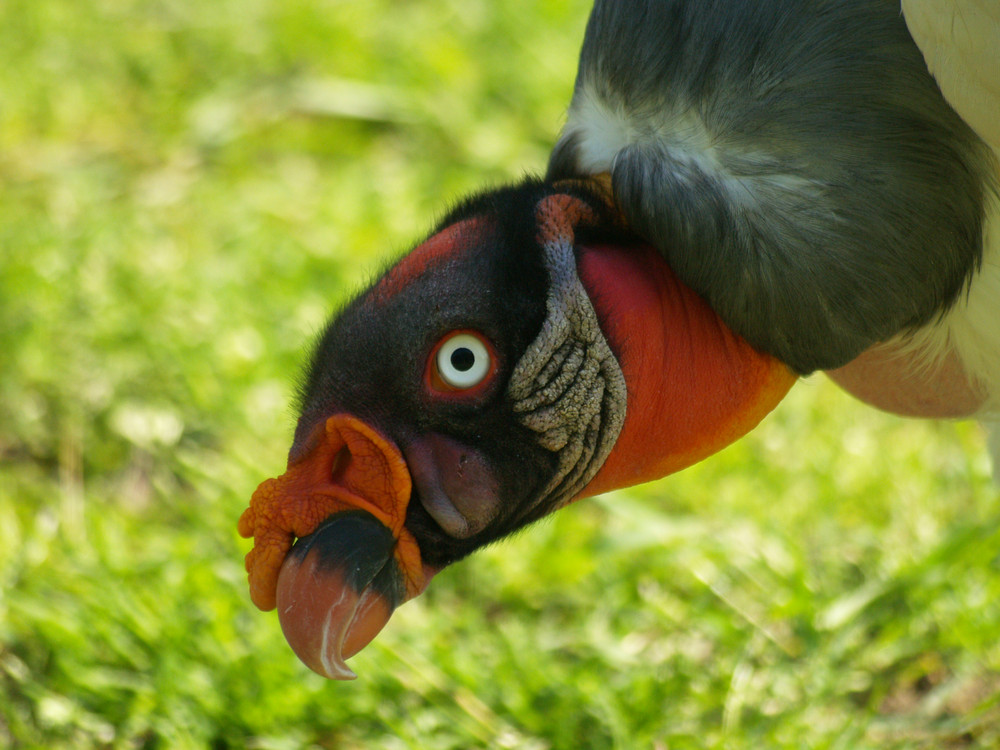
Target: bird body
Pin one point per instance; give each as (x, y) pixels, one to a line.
(743, 192)
(798, 166)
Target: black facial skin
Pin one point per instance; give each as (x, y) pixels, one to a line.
(370, 360)
(843, 200)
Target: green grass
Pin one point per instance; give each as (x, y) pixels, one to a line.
(186, 190)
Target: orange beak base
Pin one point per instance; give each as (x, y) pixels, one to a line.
(354, 562)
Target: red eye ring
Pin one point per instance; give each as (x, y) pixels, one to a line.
(463, 363)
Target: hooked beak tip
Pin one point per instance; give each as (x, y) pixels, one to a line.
(336, 592)
(324, 619)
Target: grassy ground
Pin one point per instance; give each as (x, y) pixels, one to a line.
(187, 190)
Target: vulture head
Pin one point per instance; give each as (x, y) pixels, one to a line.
(529, 353)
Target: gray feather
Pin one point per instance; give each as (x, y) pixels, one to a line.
(793, 160)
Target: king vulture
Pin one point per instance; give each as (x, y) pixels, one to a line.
(744, 192)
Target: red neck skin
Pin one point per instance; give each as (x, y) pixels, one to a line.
(693, 385)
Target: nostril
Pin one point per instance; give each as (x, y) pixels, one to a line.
(340, 462)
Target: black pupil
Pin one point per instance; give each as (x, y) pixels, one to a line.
(462, 359)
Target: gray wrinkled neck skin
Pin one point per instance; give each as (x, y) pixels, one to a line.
(793, 160)
(568, 387)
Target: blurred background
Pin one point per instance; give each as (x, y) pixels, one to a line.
(186, 191)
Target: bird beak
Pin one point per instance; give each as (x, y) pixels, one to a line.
(345, 500)
(337, 589)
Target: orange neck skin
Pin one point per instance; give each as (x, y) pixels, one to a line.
(693, 385)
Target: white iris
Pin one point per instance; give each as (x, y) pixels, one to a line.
(463, 361)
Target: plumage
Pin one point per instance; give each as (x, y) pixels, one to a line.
(959, 40)
(797, 166)
(743, 191)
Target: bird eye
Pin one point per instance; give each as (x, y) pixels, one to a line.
(463, 360)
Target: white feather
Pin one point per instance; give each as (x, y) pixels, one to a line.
(971, 328)
(960, 41)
